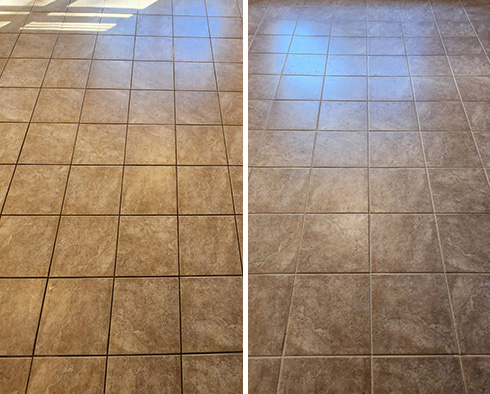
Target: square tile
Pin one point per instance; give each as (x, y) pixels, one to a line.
(100, 144)
(470, 65)
(346, 65)
(26, 245)
(197, 108)
(338, 190)
(59, 105)
(293, 115)
(276, 44)
(478, 114)
(153, 48)
(446, 149)
(150, 145)
(234, 144)
(474, 88)
(429, 66)
(411, 315)
(227, 50)
(392, 116)
(385, 29)
(386, 46)
(21, 300)
(278, 190)
(110, 74)
(395, 149)
(75, 318)
(312, 45)
(225, 27)
(151, 107)
(341, 149)
(345, 88)
(145, 316)
(334, 243)
(35, 46)
(460, 190)
(66, 73)
(305, 64)
(211, 314)
(202, 145)
(318, 318)
(11, 138)
(15, 372)
(106, 106)
(208, 246)
(313, 28)
(153, 75)
(48, 144)
(229, 76)
(338, 115)
(424, 46)
(114, 47)
(85, 246)
(435, 89)
(231, 104)
(264, 63)
(286, 148)
(192, 50)
(16, 104)
(155, 25)
(347, 46)
(476, 372)
(76, 46)
(36, 189)
(186, 26)
(93, 190)
(7, 42)
(390, 89)
(388, 66)
(462, 46)
(442, 116)
(147, 246)
(149, 190)
(204, 190)
(299, 88)
(27, 73)
(399, 190)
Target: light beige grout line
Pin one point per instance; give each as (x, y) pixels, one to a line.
(453, 322)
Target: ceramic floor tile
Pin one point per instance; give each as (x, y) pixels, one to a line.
(75, 46)
(337, 115)
(476, 373)
(151, 107)
(105, 106)
(15, 372)
(16, 104)
(395, 149)
(59, 105)
(152, 75)
(100, 144)
(34, 46)
(6, 173)
(153, 48)
(67, 73)
(286, 148)
(202, 145)
(263, 375)
(444, 149)
(11, 138)
(110, 74)
(150, 145)
(26, 73)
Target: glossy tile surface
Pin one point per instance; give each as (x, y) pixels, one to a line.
(120, 196)
(369, 195)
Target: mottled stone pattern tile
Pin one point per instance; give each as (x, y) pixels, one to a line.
(120, 196)
(369, 193)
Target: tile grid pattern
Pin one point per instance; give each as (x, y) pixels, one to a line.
(291, 336)
(117, 274)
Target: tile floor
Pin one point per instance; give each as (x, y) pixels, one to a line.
(369, 196)
(120, 196)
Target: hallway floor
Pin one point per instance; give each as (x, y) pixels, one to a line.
(120, 196)
(369, 196)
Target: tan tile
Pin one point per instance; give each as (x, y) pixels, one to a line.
(424, 46)
(446, 149)
(286, 148)
(268, 313)
(203, 145)
(264, 87)
(150, 145)
(26, 245)
(11, 138)
(59, 105)
(76, 46)
(24, 73)
(153, 75)
(37, 189)
(192, 49)
(274, 190)
(322, 322)
(221, 373)
(265, 63)
(258, 111)
(293, 115)
(34, 46)
(49, 144)
(234, 144)
(211, 314)
(85, 246)
(460, 190)
(208, 245)
(442, 116)
(75, 318)
(435, 89)
(186, 26)
(204, 190)
(151, 107)
(395, 149)
(197, 108)
(431, 374)
(195, 76)
(263, 374)
(343, 149)
(429, 66)
(231, 104)
(345, 88)
(342, 375)
(153, 25)
(338, 190)
(100, 144)
(114, 47)
(470, 296)
(21, 300)
(483, 142)
(236, 174)
(390, 88)
(149, 374)
(105, 106)
(336, 115)
(153, 48)
(110, 74)
(7, 42)
(5, 178)
(399, 190)
(392, 116)
(67, 73)
(15, 372)
(114, 25)
(478, 113)
(476, 371)
(225, 27)
(16, 104)
(297, 64)
(346, 65)
(149, 190)
(56, 374)
(470, 65)
(147, 246)
(411, 315)
(474, 88)
(145, 316)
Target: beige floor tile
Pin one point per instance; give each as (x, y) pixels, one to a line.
(59, 105)
(57, 374)
(150, 145)
(37, 189)
(212, 373)
(6, 172)
(149, 190)
(75, 318)
(27, 245)
(15, 372)
(114, 47)
(48, 144)
(66, 73)
(211, 314)
(231, 107)
(395, 149)
(478, 115)
(446, 149)
(7, 42)
(85, 246)
(435, 89)
(105, 106)
(100, 144)
(197, 108)
(476, 373)
(145, 316)
(204, 190)
(185, 26)
(16, 104)
(152, 374)
(110, 74)
(192, 50)
(474, 88)
(147, 246)
(75, 46)
(208, 245)
(21, 300)
(151, 107)
(390, 89)
(447, 116)
(236, 174)
(11, 138)
(264, 87)
(34, 46)
(93, 190)
(153, 48)
(153, 75)
(234, 144)
(345, 88)
(202, 145)
(263, 374)
(195, 76)
(333, 116)
(392, 116)
(27, 73)
(227, 49)
(429, 66)
(293, 115)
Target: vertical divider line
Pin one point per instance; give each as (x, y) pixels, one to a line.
(453, 325)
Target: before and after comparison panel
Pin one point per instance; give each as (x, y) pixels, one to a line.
(262, 197)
